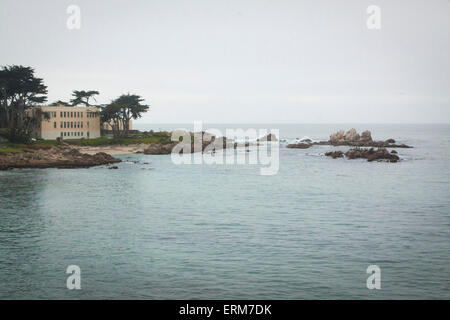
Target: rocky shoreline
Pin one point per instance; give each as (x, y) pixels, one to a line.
(64, 157)
(69, 156)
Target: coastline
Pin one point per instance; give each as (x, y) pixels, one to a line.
(100, 152)
(62, 156)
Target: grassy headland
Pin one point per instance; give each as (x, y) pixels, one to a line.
(136, 138)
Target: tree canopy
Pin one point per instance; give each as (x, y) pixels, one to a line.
(60, 103)
(82, 97)
(121, 110)
(20, 90)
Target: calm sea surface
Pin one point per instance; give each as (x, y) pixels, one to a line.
(156, 230)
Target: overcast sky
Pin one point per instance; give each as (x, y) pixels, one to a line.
(242, 61)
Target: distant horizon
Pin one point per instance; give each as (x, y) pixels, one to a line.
(207, 122)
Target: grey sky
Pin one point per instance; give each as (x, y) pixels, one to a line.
(242, 61)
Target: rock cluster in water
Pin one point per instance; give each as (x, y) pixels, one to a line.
(371, 154)
(351, 138)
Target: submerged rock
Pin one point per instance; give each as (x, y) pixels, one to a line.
(335, 154)
(299, 145)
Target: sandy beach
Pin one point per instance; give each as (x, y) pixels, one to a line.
(114, 149)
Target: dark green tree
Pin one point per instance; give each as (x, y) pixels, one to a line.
(20, 90)
(120, 111)
(82, 97)
(111, 115)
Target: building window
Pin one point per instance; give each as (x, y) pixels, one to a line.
(54, 124)
(64, 134)
(81, 124)
(82, 114)
(88, 124)
(61, 114)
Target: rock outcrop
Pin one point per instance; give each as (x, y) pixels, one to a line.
(338, 136)
(353, 139)
(299, 145)
(366, 136)
(341, 136)
(335, 154)
(380, 154)
(269, 137)
(351, 135)
(159, 148)
(54, 157)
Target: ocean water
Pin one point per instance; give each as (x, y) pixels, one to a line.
(156, 230)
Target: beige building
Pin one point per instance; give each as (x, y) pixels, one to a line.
(69, 123)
